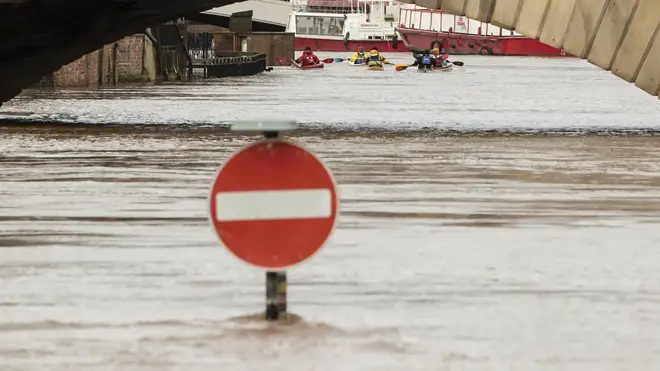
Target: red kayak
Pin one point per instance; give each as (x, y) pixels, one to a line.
(311, 66)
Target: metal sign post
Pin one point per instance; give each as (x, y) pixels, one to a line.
(273, 204)
(275, 281)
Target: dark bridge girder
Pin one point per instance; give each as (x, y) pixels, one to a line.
(37, 37)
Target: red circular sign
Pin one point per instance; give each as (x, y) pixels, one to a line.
(273, 204)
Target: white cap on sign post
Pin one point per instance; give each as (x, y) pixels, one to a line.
(264, 126)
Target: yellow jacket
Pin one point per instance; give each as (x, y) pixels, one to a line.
(379, 58)
(357, 56)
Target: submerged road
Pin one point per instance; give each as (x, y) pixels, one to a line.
(500, 217)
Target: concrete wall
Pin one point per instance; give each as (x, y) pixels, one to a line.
(149, 65)
(131, 59)
(622, 36)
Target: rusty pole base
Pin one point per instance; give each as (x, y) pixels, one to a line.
(275, 295)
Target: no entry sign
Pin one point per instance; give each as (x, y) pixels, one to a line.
(273, 204)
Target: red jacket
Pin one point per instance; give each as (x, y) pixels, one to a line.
(308, 58)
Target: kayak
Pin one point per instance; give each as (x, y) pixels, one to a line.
(357, 64)
(446, 68)
(376, 68)
(309, 67)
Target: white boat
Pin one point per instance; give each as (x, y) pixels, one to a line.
(344, 25)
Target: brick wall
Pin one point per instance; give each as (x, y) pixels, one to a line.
(120, 61)
(107, 65)
(129, 59)
(224, 41)
(81, 72)
(275, 44)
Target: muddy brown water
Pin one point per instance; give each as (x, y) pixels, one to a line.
(480, 243)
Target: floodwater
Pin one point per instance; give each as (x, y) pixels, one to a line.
(503, 216)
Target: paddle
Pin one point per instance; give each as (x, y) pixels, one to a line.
(457, 63)
(403, 68)
(329, 60)
(345, 59)
(445, 56)
(282, 61)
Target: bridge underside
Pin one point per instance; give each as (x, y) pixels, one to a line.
(621, 36)
(40, 37)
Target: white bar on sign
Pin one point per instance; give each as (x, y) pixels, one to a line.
(265, 205)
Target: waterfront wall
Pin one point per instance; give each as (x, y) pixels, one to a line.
(131, 59)
(275, 44)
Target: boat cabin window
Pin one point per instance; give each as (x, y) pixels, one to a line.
(319, 25)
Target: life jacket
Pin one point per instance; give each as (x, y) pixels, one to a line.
(426, 59)
(308, 57)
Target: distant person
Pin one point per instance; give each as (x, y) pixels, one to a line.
(425, 61)
(359, 57)
(441, 59)
(307, 58)
(375, 59)
(435, 54)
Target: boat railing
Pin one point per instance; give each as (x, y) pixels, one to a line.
(326, 10)
(227, 57)
(337, 6)
(438, 21)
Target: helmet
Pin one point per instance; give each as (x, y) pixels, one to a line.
(436, 51)
(308, 48)
(427, 52)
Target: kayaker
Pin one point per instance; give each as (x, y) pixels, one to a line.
(359, 56)
(441, 59)
(436, 54)
(374, 58)
(308, 58)
(425, 60)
